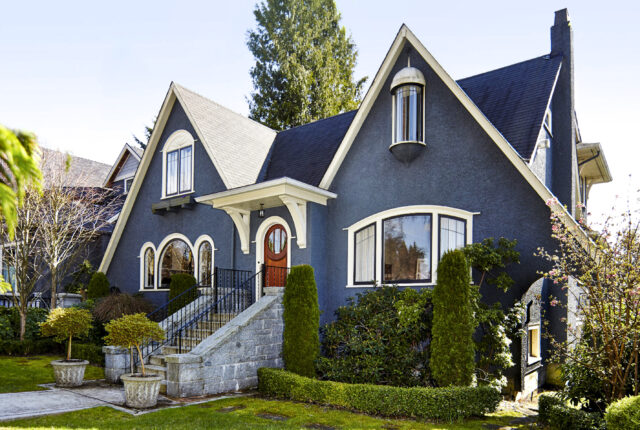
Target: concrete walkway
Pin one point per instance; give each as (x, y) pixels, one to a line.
(89, 395)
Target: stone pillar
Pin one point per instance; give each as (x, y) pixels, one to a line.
(66, 300)
(116, 363)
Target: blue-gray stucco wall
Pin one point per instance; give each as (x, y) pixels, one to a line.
(460, 168)
(143, 226)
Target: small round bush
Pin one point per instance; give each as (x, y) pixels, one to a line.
(98, 286)
(133, 330)
(623, 414)
(452, 348)
(181, 282)
(67, 323)
(301, 344)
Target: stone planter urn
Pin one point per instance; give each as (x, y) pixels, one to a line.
(141, 392)
(69, 373)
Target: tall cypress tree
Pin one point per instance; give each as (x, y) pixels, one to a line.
(452, 348)
(304, 63)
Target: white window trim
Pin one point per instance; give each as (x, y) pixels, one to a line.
(159, 251)
(196, 253)
(531, 359)
(435, 211)
(260, 233)
(143, 249)
(177, 140)
(393, 116)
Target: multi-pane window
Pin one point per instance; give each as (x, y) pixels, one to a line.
(408, 114)
(175, 258)
(452, 234)
(407, 248)
(533, 338)
(204, 263)
(178, 171)
(365, 254)
(149, 262)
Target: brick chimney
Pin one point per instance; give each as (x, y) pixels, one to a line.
(564, 157)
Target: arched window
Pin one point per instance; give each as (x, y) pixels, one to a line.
(176, 257)
(177, 169)
(205, 258)
(149, 263)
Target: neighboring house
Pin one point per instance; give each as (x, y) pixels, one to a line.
(376, 195)
(85, 177)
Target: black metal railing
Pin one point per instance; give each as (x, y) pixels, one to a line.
(188, 305)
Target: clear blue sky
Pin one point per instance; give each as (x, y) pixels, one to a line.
(85, 75)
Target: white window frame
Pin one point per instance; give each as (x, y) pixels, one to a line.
(531, 359)
(143, 249)
(178, 140)
(157, 251)
(378, 219)
(196, 253)
(393, 114)
(127, 188)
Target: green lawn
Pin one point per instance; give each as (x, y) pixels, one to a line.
(238, 413)
(25, 373)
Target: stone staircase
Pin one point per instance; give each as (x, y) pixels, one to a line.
(156, 362)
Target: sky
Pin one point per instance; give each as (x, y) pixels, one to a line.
(85, 76)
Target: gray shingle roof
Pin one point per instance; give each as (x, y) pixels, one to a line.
(236, 144)
(514, 98)
(82, 171)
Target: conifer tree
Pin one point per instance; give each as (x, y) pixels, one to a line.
(304, 63)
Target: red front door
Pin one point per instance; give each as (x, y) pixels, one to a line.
(276, 244)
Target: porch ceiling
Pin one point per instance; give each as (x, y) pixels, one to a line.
(239, 202)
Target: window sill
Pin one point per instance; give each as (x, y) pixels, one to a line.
(401, 284)
(178, 195)
(533, 360)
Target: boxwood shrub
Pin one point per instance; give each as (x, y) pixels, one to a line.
(181, 282)
(87, 351)
(556, 414)
(448, 404)
(30, 347)
(98, 286)
(623, 414)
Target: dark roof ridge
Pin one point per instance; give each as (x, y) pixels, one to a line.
(545, 56)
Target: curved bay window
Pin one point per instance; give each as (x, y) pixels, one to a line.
(407, 107)
(148, 278)
(407, 248)
(204, 263)
(175, 258)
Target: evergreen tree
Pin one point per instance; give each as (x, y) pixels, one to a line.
(304, 63)
(452, 349)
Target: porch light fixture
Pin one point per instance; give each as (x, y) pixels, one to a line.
(261, 211)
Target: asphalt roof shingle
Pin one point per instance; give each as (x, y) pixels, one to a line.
(514, 98)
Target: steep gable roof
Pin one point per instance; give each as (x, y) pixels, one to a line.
(236, 144)
(82, 171)
(304, 153)
(127, 151)
(515, 98)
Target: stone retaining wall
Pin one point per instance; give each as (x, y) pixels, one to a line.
(229, 359)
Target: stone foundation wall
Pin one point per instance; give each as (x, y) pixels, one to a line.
(229, 359)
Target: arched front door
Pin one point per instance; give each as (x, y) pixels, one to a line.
(276, 246)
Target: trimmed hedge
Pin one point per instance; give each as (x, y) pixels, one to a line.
(555, 413)
(449, 403)
(181, 282)
(30, 347)
(87, 351)
(98, 286)
(301, 342)
(623, 414)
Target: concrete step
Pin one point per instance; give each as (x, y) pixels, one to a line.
(168, 350)
(189, 342)
(157, 360)
(214, 323)
(158, 370)
(201, 333)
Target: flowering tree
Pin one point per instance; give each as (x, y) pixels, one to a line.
(604, 347)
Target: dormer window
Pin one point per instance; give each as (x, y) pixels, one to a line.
(178, 164)
(407, 90)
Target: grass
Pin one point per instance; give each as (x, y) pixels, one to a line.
(25, 373)
(240, 413)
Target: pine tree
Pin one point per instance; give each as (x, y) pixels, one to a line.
(304, 63)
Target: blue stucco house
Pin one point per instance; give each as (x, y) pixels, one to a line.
(376, 195)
